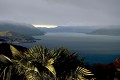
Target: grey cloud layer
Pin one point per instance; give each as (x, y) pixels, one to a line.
(61, 12)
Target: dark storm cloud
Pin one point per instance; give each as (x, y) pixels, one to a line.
(61, 12)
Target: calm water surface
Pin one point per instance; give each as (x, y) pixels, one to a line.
(96, 48)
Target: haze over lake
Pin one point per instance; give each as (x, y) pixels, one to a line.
(95, 48)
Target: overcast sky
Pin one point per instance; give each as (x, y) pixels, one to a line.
(61, 12)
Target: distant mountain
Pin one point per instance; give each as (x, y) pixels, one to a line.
(78, 29)
(25, 29)
(114, 31)
(14, 36)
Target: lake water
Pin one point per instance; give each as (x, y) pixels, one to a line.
(95, 48)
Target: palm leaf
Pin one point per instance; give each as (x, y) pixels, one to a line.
(44, 57)
(4, 58)
(15, 53)
(51, 69)
(83, 71)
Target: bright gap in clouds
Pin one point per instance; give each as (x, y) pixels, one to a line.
(45, 26)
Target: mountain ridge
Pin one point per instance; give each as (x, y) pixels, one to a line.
(114, 31)
(10, 37)
(22, 28)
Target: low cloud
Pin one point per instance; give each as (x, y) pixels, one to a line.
(61, 12)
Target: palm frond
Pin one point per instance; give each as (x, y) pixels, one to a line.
(43, 56)
(83, 71)
(4, 58)
(51, 69)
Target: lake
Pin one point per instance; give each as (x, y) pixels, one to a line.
(95, 48)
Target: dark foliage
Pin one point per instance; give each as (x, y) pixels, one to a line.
(40, 63)
(5, 49)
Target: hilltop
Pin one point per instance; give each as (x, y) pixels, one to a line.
(22, 28)
(113, 31)
(11, 37)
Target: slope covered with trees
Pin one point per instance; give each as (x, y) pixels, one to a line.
(10, 37)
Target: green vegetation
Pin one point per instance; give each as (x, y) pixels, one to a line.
(40, 63)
